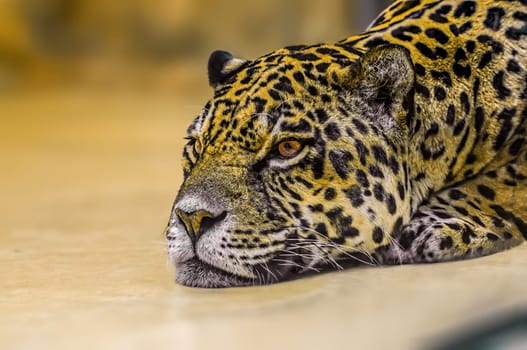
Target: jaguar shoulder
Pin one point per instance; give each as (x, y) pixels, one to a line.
(403, 144)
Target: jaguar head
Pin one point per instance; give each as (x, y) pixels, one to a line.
(295, 165)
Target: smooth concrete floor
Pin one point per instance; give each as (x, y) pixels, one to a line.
(86, 183)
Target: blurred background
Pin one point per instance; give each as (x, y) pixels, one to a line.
(156, 43)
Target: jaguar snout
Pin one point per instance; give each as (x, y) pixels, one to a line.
(199, 221)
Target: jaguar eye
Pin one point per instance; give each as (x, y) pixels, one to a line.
(289, 149)
(197, 146)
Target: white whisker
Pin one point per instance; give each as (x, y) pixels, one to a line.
(292, 263)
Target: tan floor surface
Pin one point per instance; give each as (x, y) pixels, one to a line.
(86, 186)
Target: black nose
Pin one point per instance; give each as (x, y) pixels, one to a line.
(198, 221)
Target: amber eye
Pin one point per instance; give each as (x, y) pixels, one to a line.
(289, 149)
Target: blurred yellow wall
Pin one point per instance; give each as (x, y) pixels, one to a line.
(58, 41)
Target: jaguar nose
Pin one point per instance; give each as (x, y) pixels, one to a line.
(198, 221)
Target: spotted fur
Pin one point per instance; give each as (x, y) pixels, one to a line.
(413, 149)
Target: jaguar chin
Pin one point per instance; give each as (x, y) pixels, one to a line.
(404, 144)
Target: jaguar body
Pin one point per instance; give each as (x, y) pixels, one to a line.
(404, 144)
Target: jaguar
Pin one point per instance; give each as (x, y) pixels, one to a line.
(404, 144)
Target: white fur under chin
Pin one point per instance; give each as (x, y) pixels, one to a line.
(194, 273)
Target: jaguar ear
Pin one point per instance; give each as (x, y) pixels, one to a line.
(386, 72)
(384, 78)
(223, 65)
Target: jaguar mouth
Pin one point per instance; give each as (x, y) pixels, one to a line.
(199, 274)
(287, 264)
(284, 266)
